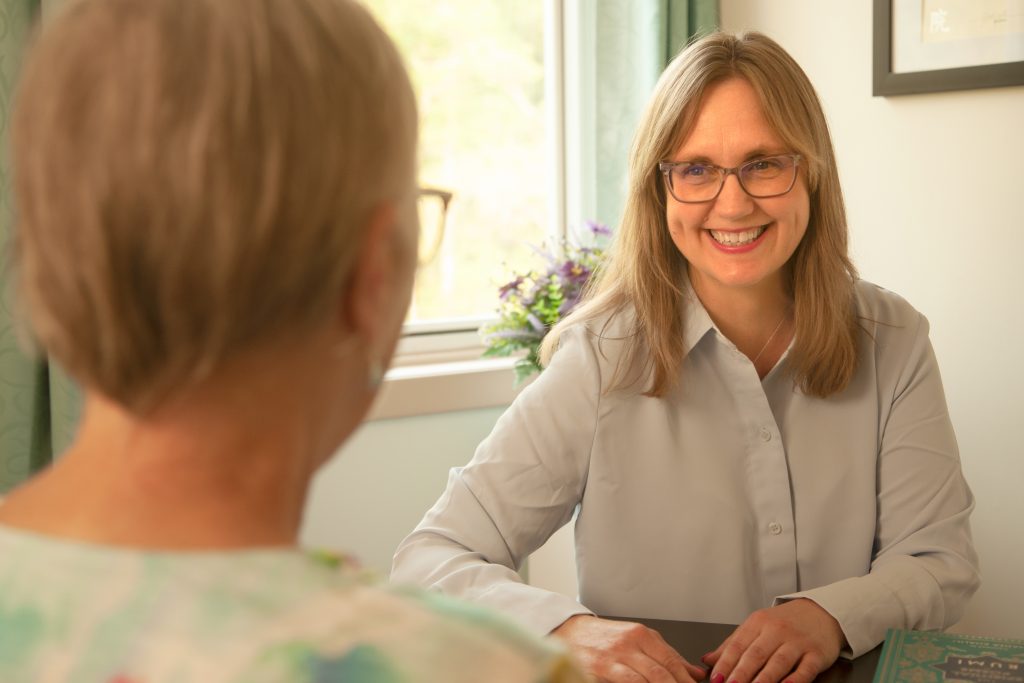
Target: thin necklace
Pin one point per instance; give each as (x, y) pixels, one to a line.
(777, 328)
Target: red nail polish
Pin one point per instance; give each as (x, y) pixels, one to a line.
(718, 678)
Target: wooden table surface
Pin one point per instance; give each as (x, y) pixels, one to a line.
(692, 639)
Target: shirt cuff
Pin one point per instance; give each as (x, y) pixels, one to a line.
(538, 610)
(867, 606)
(846, 652)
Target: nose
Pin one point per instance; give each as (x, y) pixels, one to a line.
(733, 201)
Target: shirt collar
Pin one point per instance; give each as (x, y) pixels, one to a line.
(696, 321)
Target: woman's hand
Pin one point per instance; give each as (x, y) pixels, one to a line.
(624, 652)
(796, 640)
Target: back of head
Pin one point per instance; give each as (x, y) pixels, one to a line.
(191, 177)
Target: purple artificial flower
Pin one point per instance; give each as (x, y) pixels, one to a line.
(575, 274)
(597, 229)
(506, 289)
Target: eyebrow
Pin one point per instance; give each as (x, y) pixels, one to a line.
(756, 153)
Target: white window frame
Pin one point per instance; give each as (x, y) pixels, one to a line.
(438, 365)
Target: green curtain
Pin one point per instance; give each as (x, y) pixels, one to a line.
(39, 405)
(621, 49)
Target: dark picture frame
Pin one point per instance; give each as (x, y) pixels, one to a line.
(885, 82)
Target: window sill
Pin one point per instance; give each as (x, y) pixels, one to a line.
(432, 388)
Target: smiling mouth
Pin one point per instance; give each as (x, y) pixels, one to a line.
(737, 238)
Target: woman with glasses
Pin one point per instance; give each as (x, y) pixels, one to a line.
(217, 237)
(746, 432)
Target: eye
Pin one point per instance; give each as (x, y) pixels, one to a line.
(693, 171)
(767, 164)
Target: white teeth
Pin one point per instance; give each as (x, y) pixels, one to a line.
(737, 239)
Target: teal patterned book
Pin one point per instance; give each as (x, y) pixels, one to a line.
(932, 657)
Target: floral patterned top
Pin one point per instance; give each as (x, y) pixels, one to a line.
(73, 612)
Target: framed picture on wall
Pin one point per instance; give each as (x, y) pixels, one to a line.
(935, 45)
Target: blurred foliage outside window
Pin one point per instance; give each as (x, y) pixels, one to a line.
(478, 70)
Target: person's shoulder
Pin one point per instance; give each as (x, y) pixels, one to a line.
(888, 321)
(374, 632)
(885, 315)
(596, 353)
(883, 306)
(606, 335)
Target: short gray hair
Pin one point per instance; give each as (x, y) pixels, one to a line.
(191, 177)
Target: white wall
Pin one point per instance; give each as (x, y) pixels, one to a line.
(953, 249)
(376, 489)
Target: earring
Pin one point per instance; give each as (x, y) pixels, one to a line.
(374, 374)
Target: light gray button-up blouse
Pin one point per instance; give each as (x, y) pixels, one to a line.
(724, 496)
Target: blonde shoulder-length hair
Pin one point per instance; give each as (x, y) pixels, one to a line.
(644, 270)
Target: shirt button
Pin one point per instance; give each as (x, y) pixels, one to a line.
(766, 434)
(775, 528)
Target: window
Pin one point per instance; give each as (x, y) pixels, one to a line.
(483, 84)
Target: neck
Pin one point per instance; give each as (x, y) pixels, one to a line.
(747, 316)
(226, 466)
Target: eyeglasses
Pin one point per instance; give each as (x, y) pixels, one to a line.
(693, 182)
(432, 205)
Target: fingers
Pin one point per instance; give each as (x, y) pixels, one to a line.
(754, 667)
(741, 658)
(638, 668)
(625, 652)
(654, 671)
(779, 666)
(655, 661)
(663, 653)
(771, 642)
(808, 669)
(711, 658)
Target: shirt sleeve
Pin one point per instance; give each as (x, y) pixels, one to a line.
(522, 485)
(924, 567)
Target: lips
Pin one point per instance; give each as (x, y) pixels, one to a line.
(737, 238)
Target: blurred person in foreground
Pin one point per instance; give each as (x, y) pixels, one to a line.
(216, 237)
(746, 432)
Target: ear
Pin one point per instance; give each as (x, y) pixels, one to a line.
(369, 294)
